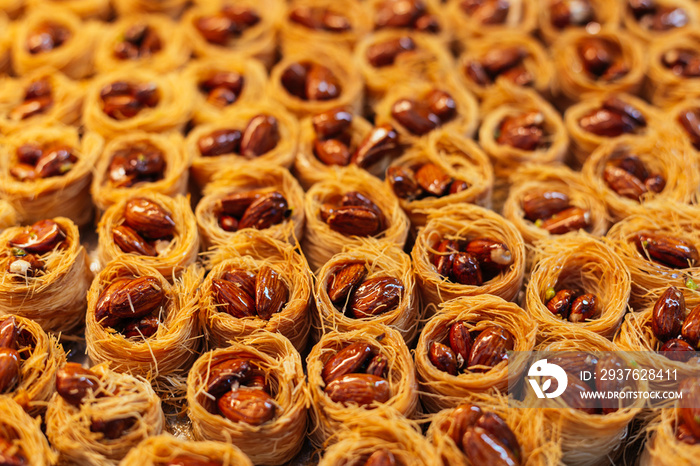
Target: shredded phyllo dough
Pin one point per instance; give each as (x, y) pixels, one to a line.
(337, 232)
(117, 396)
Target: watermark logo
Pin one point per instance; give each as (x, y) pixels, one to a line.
(542, 368)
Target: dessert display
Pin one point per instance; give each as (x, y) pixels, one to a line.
(299, 232)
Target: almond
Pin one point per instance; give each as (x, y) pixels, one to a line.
(497, 427)
(382, 141)
(584, 307)
(233, 299)
(242, 278)
(443, 358)
(9, 369)
(331, 123)
(344, 280)
(346, 361)
(260, 136)
(463, 416)
(148, 218)
(460, 342)
(490, 347)
(130, 241)
(9, 333)
(541, 205)
(433, 179)
(137, 298)
(355, 221)
(690, 330)
(271, 293)
(223, 375)
(270, 209)
(249, 405)
(360, 389)
(376, 296)
(571, 219)
(668, 313)
(667, 250)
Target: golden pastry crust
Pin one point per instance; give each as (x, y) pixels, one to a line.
(171, 112)
(464, 122)
(56, 299)
(589, 438)
(204, 168)
(308, 169)
(466, 221)
(578, 261)
(440, 390)
(74, 57)
(66, 101)
(338, 60)
(163, 448)
(573, 82)
(41, 358)
(171, 260)
(275, 355)
(428, 61)
(400, 437)
(327, 416)
(320, 242)
(458, 156)
(68, 426)
(174, 49)
(107, 191)
(251, 71)
(250, 250)
(258, 177)
(24, 432)
(535, 61)
(584, 142)
(294, 34)
(672, 166)
(168, 354)
(532, 178)
(539, 440)
(605, 15)
(257, 41)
